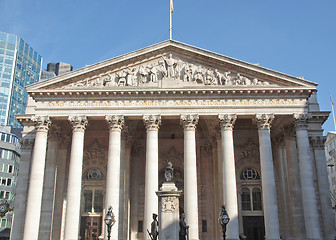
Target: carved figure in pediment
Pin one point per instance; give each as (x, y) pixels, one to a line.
(131, 77)
(152, 73)
(199, 75)
(187, 76)
(178, 68)
(122, 78)
(162, 69)
(110, 80)
(143, 74)
(255, 81)
(170, 65)
(219, 77)
(210, 78)
(228, 79)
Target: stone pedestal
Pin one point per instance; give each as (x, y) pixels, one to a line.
(169, 211)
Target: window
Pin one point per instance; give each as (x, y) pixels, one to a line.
(204, 226)
(256, 196)
(93, 200)
(140, 226)
(250, 174)
(246, 199)
(251, 194)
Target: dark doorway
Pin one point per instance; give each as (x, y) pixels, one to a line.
(90, 228)
(254, 228)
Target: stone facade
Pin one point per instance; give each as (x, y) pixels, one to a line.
(236, 133)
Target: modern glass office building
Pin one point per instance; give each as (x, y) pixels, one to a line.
(20, 66)
(9, 168)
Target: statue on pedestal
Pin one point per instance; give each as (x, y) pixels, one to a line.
(154, 228)
(183, 228)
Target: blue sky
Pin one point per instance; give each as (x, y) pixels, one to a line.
(293, 37)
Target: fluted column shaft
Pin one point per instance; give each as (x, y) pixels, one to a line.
(267, 177)
(113, 170)
(22, 189)
(49, 185)
(323, 183)
(34, 200)
(189, 123)
(229, 174)
(294, 184)
(72, 217)
(152, 123)
(307, 178)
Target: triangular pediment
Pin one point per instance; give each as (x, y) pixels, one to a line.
(170, 65)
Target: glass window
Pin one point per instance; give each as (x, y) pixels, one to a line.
(3, 223)
(250, 174)
(9, 182)
(256, 196)
(2, 194)
(3, 182)
(7, 195)
(98, 201)
(10, 169)
(246, 199)
(88, 200)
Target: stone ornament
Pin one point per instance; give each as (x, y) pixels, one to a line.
(263, 121)
(189, 121)
(42, 123)
(152, 122)
(79, 123)
(301, 120)
(318, 142)
(166, 67)
(227, 121)
(169, 204)
(116, 122)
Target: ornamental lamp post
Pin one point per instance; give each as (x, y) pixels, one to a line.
(109, 221)
(223, 220)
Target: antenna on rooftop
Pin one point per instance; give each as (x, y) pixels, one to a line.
(171, 10)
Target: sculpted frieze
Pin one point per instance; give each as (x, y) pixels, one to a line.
(166, 68)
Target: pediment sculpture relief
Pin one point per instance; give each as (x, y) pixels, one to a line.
(166, 68)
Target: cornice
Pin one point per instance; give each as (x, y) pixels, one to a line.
(126, 92)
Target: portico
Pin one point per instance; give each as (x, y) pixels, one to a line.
(221, 128)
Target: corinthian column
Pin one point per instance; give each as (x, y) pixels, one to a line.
(75, 177)
(189, 122)
(270, 206)
(34, 200)
(306, 159)
(113, 170)
(152, 123)
(229, 174)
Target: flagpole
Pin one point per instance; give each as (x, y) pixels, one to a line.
(333, 111)
(171, 26)
(171, 10)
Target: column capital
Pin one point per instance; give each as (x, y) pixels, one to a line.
(27, 143)
(189, 121)
(227, 121)
(42, 123)
(78, 123)
(152, 122)
(116, 122)
(263, 121)
(301, 120)
(317, 142)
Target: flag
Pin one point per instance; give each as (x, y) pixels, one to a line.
(332, 103)
(171, 6)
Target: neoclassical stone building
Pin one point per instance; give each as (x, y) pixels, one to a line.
(236, 134)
